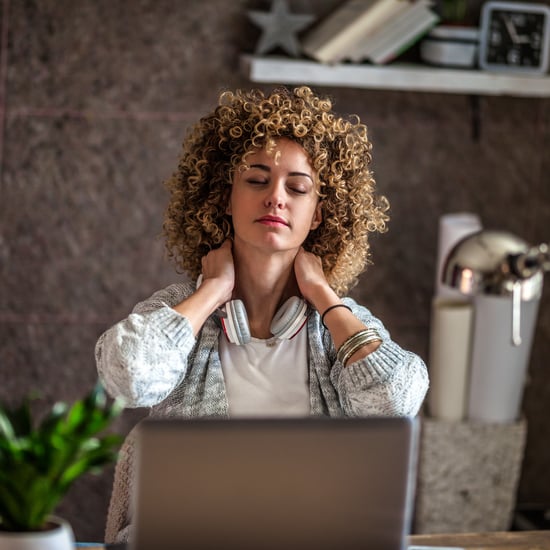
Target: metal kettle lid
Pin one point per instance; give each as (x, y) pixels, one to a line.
(494, 262)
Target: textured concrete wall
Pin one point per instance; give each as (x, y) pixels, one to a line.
(96, 96)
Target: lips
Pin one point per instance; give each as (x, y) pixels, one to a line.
(273, 220)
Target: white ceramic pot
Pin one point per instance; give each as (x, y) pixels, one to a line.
(59, 537)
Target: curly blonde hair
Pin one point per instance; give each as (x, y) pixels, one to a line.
(340, 152)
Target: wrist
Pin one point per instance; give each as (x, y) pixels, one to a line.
(321, 297)
(215, 292)
(329, 309)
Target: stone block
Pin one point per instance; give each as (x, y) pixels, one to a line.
(468, 476)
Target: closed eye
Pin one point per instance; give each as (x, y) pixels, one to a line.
(255, 181)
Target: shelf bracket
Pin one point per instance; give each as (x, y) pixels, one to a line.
(475, 111)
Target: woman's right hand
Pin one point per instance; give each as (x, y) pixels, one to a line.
(218, 267)
(216, 288)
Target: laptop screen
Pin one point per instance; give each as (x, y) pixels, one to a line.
(308, 483)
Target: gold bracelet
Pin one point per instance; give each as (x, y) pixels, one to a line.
(355, 342)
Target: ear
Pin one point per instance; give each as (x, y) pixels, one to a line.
(317, 217)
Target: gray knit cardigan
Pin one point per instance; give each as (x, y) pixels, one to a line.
(152, 359)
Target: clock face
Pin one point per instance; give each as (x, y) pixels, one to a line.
(515, 36)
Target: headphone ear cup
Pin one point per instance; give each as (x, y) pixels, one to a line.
(290, 318)
(235, 323)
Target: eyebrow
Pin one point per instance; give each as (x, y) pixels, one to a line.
(268, 169)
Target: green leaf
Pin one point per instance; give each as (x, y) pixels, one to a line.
(77, 417)
(6, 428)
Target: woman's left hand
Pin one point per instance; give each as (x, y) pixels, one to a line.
(341, 322)
(309, 274)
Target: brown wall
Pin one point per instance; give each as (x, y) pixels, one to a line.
(97, 96)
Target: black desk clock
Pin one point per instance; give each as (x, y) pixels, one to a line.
(514, 37)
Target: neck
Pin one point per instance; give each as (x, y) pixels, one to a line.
(263, 284)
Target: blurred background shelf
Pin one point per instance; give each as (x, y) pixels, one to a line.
(409, 77)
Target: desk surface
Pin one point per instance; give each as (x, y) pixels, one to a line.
(520, 540)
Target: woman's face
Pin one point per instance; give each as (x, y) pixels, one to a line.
(273, 202)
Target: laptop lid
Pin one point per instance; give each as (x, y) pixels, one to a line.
(263, 484)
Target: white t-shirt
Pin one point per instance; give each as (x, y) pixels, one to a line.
(266, 377)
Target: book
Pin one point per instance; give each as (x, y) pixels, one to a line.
(398, 34)
(336, 36)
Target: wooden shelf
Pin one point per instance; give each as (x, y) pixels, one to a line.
(405, 77)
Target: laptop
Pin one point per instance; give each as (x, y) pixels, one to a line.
(275, 484)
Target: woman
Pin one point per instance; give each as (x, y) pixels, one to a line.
(270, 213)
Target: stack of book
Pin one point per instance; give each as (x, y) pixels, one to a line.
(369, 30)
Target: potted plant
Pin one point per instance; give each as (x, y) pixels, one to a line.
(39, 461)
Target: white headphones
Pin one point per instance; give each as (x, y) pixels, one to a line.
(288, 320)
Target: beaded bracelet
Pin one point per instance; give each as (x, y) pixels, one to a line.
(355, 342)
(330, 309)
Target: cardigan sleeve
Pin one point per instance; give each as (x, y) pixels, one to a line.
(144, 357)
(390, 381)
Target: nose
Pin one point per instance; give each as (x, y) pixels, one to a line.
(275, 196)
